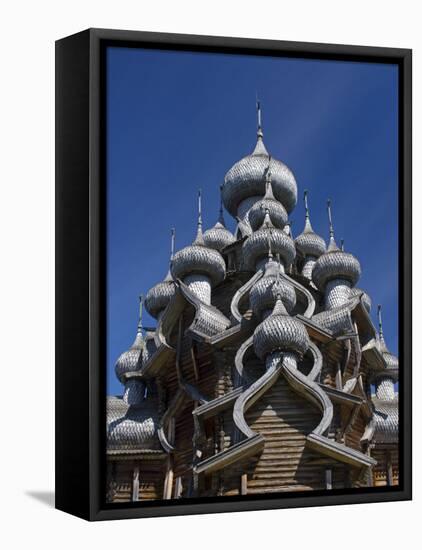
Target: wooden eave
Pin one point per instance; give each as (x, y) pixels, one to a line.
(341, 397)
(243, 449)
(338, 451)
(315, 331)
(135, 454)
(217, 405)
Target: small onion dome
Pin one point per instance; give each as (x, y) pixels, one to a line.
(219, 236)
(131, 359)
(335, 263)
(263, 294)
(366, 300)
(279, 332)
(246, 178)
(199, 259)
(308, 242)
(160, 295)
(276, 210)
(256, 246)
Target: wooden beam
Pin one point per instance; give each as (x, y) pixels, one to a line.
(389, 469)
(135, 484)
(328, 478)
(244, 484)
(168, 481)
(195, 366)
(178, 487)
(179, 348)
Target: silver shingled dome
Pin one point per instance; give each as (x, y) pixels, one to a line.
(335, 264)
(308, 242)
(276, 210)
(159, 296)
(279, 332)
(256, 246)
(131, 359)
(263, 294)
(219, 236)
(246, 179)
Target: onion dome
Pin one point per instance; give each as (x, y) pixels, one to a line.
(246, 178)
(219, 236)
(366, 299)
(264, 293)
(198, 258)
(256, 246)
(160, 295)
(131, 360)
(335, 263)
(391, 360)
(276, 210)
(308, 242)
(279, 332)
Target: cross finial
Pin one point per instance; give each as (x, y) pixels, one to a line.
(305, 200)
(259, 117)
(173, 239)
(199, 208)
(330, 220)
(199, 240)
(380, 322)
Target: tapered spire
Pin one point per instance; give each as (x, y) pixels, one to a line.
(141, 308)
(308, 226)
(332, 244)
(259, 147)
(221, 211)
(168, 277)
(199, 240)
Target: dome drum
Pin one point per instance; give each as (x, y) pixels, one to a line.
(200, 285)
(134, 392)
(308, 267)
(337, 293)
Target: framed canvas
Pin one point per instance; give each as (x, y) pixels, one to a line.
(253, 199)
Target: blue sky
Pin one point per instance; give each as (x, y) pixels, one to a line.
(177, 121)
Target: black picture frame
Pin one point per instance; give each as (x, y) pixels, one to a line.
(80, 271)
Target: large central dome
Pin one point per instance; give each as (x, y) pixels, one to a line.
(246, 179)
